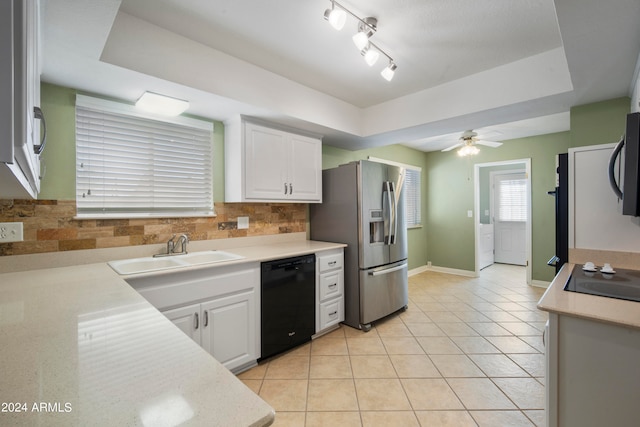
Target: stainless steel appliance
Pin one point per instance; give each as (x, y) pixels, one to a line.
(363, 206)
(627, 187)
(287, 303)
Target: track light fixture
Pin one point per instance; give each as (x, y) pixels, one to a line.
(336, 17)
(370, 55)
(389, 71)
(367, 27)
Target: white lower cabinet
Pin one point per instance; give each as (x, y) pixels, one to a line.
(330, 289)
(229, 329)
(218, 307)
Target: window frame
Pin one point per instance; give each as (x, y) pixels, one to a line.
(203, 144)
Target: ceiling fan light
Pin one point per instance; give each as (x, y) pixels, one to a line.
(336, 17)
(389, 71)
(370, 55)
(468, 150)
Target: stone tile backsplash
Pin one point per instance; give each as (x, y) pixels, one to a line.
(49, 225)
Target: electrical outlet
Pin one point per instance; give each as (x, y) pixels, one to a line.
(243, 222)
(11, 232)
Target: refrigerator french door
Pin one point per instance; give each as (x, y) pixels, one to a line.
(363, 206)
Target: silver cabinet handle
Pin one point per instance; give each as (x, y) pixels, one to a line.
(334, 313)
(290, 188)
(206, 319)
(333, 285)
(332, 263)
(285, 188)
(196, 321)
(37, 113)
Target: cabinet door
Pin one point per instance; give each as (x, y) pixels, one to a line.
(265, 166)
(229, 329)
(305, 173)
(187, 319)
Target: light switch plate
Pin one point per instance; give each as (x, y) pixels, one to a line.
(11, 232)
(243, 222)
(470, 214)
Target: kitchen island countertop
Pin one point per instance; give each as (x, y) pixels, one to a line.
(603, 309)
(82, 347)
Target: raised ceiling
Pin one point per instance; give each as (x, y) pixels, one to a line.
(513, 68)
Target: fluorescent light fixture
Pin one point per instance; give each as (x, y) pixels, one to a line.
(336, 17)
(389, 71)
(161, 104)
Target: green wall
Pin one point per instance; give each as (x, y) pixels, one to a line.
(446, 238)
(59, 181)
(449, 191)
(417, 237)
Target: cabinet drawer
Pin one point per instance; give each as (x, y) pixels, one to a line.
(331, 313)
(331, 285)
(330, 262)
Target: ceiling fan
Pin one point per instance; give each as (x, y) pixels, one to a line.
(468, 140)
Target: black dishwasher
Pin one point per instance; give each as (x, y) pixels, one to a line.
(288, 301)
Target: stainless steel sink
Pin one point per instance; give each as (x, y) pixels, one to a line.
(147, 264)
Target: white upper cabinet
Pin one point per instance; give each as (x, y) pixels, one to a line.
(264, 164)
(20, 116)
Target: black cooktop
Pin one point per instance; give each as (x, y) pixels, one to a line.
(623, 284)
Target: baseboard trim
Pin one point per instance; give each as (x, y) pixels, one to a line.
(418, 270)
(446, 270)
(540, 284)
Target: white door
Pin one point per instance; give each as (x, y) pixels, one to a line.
(187, 319)
(510, 217)
(229, 331)
(486, 245)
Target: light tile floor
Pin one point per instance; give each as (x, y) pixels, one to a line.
(467, 352)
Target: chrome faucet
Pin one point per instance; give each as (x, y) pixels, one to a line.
(172, 245)
(183, 240)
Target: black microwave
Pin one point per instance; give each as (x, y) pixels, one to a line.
(628, 189)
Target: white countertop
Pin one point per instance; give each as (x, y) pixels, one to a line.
(603, 309)
(79, 346)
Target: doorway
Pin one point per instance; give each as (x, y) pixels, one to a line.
(502, 201)
(508, 213)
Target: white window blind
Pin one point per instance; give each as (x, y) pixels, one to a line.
(412, 189)
(412, 197)
(513, 200)
(130, 164)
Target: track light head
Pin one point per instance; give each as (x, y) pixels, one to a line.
(366, 28)
(370, 55)
(336, 17)
(389, 71)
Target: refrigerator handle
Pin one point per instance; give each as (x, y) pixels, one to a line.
(388, 270)
(394, 214)
(388, 214)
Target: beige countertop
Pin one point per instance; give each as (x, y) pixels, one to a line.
(603, 309)
(79, 346)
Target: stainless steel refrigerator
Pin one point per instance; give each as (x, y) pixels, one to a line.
(363, 206)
